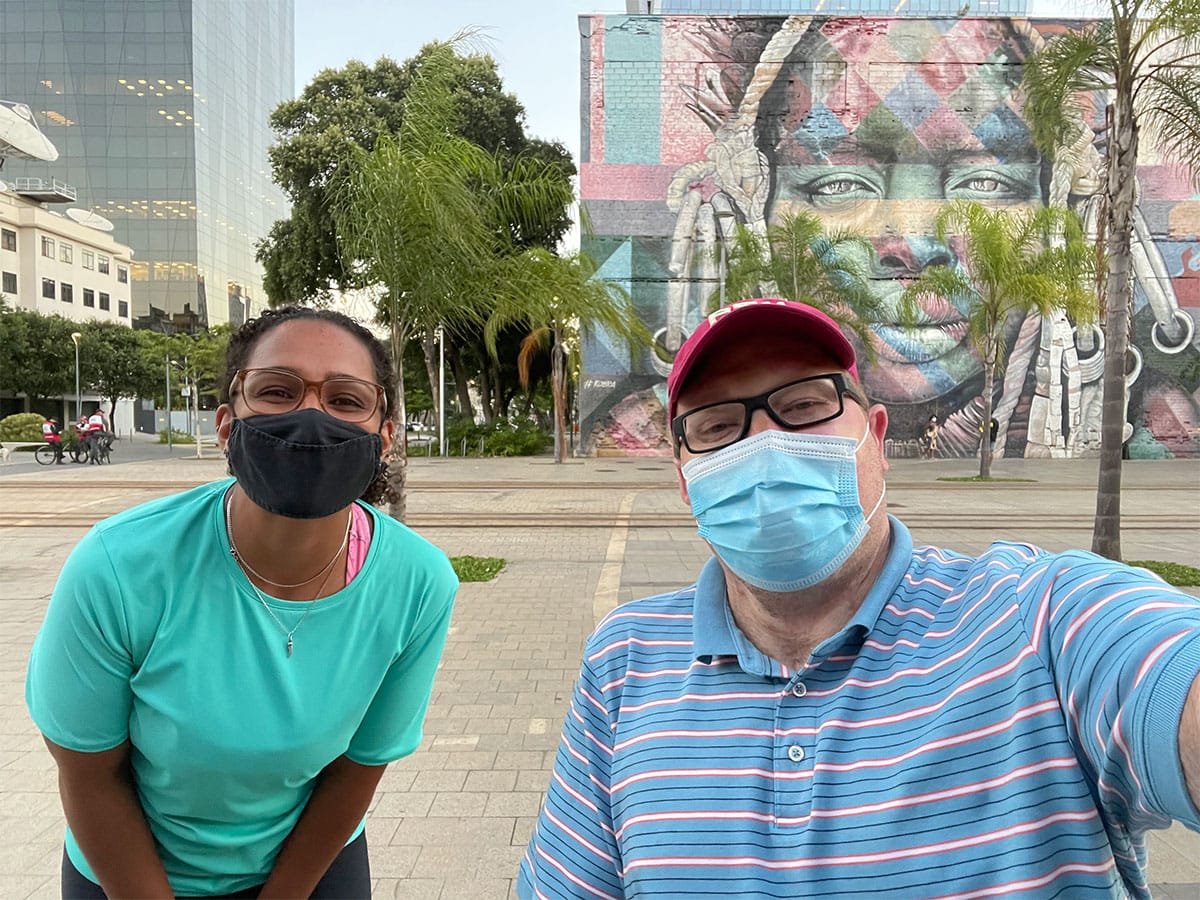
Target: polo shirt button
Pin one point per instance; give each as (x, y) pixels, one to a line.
(799, 689)
(795, 753)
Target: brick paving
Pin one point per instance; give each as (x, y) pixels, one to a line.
(452, 820)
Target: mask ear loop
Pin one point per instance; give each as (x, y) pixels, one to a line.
(883, 492)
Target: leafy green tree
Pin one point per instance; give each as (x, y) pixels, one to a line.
(558, 300)
(1014, 263)
(1143, 58)
(798, 260)
(417, 216)
(37, 357)
(112, 363)
(349, 109)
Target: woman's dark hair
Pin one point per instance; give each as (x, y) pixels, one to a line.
(243, 341)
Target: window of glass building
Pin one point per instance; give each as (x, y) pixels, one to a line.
(88, 259)
(123, 309)
(66, 252)
(8, 239)
(102, 264)
(66, 293)
(123, 274)
(48, 247)
(89, 297)
(10, 283)
(103, 300)
(48, 288)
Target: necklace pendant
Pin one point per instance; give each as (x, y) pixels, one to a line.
(289, 646)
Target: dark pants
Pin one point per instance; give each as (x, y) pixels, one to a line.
(347, 878)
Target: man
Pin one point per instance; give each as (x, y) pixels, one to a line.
(52, 434)
(831, 712)
(97, 431)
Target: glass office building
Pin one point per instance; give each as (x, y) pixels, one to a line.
(159, 111)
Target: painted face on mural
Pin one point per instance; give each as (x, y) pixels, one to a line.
(875, 132)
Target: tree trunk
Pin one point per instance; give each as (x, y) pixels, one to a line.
(397, 460)
(462, 380)
(558, 387)
(485, 386)
(1121, 173)
(990, 349)
(429, 352)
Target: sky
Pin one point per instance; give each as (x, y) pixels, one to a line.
(535, 44)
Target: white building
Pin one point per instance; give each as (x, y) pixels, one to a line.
(56, 266)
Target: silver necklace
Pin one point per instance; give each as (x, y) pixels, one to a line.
(262, 597)
(233, 550)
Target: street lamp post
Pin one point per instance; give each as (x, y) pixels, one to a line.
(168, 404)
(75, 338)
(441, 391)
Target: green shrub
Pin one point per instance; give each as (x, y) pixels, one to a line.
(22, 427)
(500, 439)
(523, 440)
(177, 437)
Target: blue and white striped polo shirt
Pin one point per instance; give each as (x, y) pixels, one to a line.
(1000, 726)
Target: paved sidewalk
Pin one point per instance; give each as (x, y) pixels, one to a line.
(452, 820)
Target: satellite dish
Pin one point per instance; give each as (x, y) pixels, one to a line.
(89, 219)
(3, 187)
(20, 136)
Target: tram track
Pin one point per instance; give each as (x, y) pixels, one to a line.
(965, 522)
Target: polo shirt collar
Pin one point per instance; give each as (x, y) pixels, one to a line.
(714, 632)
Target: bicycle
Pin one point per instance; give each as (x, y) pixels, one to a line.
(45, 455)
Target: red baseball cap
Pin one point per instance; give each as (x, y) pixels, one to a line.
(765, 315)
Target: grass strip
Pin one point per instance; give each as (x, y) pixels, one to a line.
(1172, 573)
(476, 568)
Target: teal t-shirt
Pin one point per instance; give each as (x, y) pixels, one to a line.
(154, 635)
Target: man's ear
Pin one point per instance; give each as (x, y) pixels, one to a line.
(224, 421)
(877, 423)
(682, 482)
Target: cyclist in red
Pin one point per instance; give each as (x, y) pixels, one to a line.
(52, 434)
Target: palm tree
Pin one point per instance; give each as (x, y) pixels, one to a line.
(1143, 58)
(798, 260)
(1013, 263)
(559, 300)
(430, 216)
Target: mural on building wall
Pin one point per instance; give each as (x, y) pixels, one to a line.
(693, 124)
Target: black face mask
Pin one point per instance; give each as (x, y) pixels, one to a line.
(304, 464)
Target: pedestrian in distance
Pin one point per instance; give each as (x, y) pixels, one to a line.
(832, 711)
(246, 658)
(929, 439)
(98, 437)
(52, 434)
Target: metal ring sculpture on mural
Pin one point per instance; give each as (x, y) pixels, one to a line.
(735, 176)
(1182, 342)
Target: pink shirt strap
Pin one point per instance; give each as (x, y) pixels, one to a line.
(360, 542)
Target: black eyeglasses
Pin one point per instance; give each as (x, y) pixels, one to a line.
(272, 391)
(809, 401)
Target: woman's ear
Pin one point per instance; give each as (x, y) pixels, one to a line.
(387, 431)
(224, 420)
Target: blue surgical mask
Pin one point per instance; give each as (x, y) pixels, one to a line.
(781, 508)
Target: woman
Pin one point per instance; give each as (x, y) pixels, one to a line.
(223, 675)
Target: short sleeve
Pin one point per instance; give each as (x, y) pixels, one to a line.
(573, 851)
(78, 684)
(392, 726)
(1124, 649)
